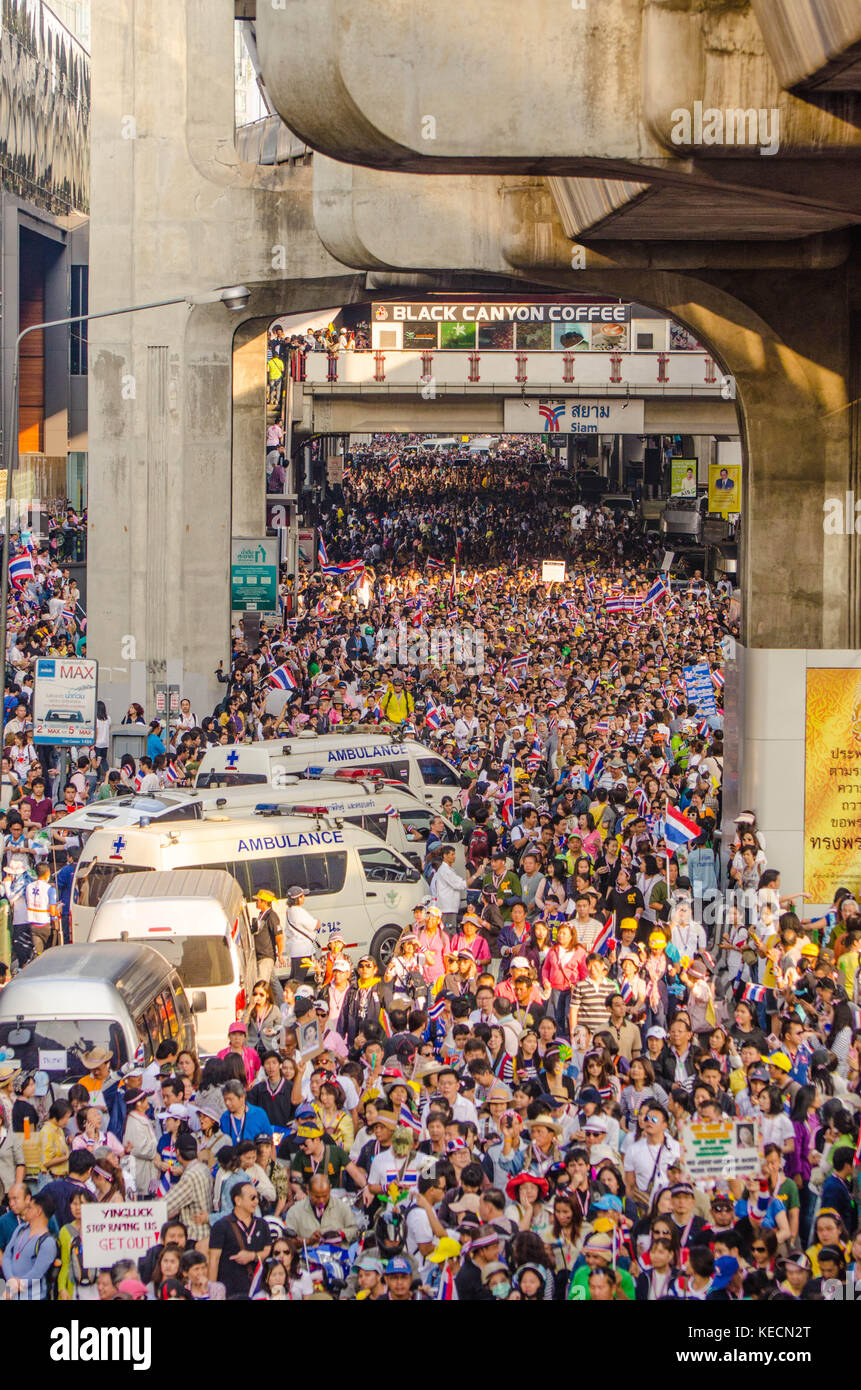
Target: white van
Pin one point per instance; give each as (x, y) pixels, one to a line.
(198, 920)
(355, 885)
(364, 752)
(366, 804)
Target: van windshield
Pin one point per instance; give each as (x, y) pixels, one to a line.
(57, 1044)
(202, 961)
(226, 777)
(94, 880)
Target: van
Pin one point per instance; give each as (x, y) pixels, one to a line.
(120, 995)
(384, 808)
(363, 750)
(355, 885)
(198, 920)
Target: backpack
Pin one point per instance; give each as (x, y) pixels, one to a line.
(479, 845)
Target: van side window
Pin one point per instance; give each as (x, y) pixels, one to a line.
(397, 772)
(376, 825)
(325, 873)
(417, 820)
(144, 1038)
(381, 866)
(263, 873)
(435, 773)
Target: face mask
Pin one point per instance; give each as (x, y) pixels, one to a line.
(501, 1290)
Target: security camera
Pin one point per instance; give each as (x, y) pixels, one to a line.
(235, 296)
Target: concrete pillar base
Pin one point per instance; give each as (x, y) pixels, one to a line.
(766, 714)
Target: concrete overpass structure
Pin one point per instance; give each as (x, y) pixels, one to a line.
(699, 156)
(361, 392)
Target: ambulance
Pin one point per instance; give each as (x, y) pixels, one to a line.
(355, 884)
(363, 751)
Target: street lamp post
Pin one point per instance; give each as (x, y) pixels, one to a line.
(233, 297)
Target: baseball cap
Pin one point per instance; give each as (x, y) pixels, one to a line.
(780, 1060)
(237, 1027)
(726, 1268)
(446, 1249)
(595, 1124)
(369, 1263)
(399, 1265)
(519, 963)
(656, 1032)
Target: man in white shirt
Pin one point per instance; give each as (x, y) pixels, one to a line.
(647, 1161)
(461, 1108)
(447, 886)
(466, 727)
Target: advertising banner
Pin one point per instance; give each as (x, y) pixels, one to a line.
(254, 575)
(722, 1149)
(832, 781)
(64, 701)
(501, 313)
(111, 1233)
(725, 488)
(683, 477)
(577, 415)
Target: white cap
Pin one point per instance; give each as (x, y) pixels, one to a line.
(519, 963)
(656, 1032)
(341, 963)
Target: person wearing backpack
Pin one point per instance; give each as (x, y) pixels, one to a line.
(74, 1280)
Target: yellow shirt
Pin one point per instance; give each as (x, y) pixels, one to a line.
(53, 1141)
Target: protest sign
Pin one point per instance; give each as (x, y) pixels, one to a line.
(119, 1233)
(722, 1149)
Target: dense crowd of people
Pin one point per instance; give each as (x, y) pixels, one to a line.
(502, 1109)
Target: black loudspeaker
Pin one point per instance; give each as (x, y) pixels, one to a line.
(652, 467)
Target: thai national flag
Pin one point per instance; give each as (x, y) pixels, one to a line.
(390, 810)
(703, 727)
(615, 605)
(346, 567)
(256, 1280)
(407, 1118)
(432, 717)
(678, 829)
(445, 1292)
(658, 590)
(68, 616)
(717, 676)
(171, 773)
(21, 570)
(626, 990)
(282, 678)
(518, 663)
(436, 1010)
(322, 552)
(139, 1055)
(595, 769)
(754, 994)
(589, 584)
(432, 564)
(394, 463)
(605, 941)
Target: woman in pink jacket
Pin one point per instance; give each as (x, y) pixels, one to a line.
(564, 966)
